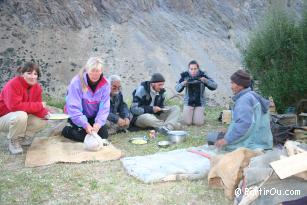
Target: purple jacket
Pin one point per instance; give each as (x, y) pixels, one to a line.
(82, 105)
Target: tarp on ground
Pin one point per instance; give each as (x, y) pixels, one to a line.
(49, 150)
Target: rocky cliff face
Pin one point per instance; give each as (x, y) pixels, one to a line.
(134, 37)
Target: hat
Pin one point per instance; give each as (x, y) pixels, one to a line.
(240, 77)
(157, 77)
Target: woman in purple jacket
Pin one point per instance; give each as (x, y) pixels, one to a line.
(88, 102)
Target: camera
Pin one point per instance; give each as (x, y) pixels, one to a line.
(193, 80)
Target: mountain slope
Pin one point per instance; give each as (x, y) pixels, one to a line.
(135, 38)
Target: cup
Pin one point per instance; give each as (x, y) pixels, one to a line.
(152, 134)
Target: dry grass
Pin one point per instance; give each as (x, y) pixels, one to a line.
(104, 182)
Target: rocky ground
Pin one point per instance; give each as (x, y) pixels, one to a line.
(135, 38)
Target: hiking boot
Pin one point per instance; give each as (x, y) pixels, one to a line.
(26, 141)
(15, 147)
(163, 130)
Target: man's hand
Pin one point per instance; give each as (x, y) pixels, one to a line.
(204, 80)
(121, 122)
(185, 83)
(224, 130)
(156, 109)
(127, 121)
(89, 129)
(220, 143)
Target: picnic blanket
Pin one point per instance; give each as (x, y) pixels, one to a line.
(49, 150)
(169, 166)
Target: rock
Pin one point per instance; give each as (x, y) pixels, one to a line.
(151, 35)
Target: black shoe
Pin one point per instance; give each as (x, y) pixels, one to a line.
(163, 130)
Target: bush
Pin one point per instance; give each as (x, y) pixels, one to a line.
(54, 102)
(276, 57)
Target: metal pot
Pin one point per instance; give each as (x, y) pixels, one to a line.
(164, 144)
(177, 136)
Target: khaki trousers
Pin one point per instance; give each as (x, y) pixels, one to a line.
(193, 115)
(19, 124)
(168, 119)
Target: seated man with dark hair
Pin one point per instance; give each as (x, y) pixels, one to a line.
(148, 106)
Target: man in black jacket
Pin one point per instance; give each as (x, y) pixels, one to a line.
(118, 119)
(148, 106)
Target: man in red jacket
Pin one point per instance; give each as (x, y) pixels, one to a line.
(21, 107)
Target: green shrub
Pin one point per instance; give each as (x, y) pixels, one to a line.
(54, 102)
(304, 28)
(276, 57)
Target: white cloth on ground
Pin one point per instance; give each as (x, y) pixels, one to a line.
(169, 166)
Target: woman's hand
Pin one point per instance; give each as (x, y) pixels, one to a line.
(203, 79)
(47, 117)
(44, 104)
(96, 127)
(89, 129)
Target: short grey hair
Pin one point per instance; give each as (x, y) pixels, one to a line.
(113, 78)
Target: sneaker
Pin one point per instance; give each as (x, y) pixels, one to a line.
(14, 146)
(112, 130)
(26, 141)
(125, 130)
(163, 130)
(122, 131)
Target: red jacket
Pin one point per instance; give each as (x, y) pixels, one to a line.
(18, 95)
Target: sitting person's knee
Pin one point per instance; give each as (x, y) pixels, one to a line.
(20, 117)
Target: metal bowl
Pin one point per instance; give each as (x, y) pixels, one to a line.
(177, 136)
(164, 144)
